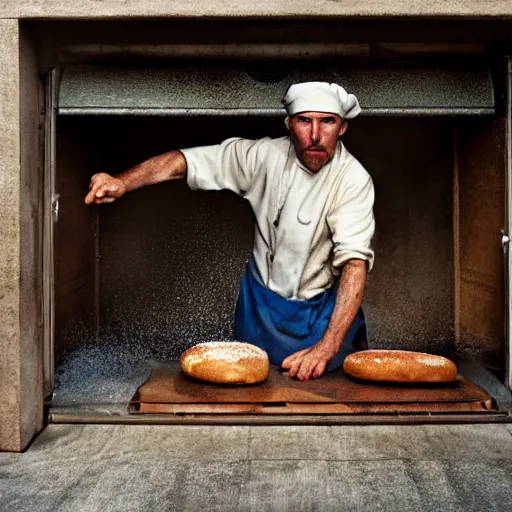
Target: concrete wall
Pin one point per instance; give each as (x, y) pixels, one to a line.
(263, 8)
(20, 359)
(30, 258)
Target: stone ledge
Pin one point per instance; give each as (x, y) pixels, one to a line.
(123, 9)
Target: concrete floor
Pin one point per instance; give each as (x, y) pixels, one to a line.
(105, 468)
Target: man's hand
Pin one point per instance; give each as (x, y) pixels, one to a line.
(310, 362)
(105, 189)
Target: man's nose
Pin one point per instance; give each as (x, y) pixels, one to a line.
(315, 131)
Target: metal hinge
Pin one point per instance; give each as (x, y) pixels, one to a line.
(505, 239)
(55, 208)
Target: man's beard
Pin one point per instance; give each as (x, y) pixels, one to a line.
(314, 157)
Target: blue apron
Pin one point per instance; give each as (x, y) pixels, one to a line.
(283, 326)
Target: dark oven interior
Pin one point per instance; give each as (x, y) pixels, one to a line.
(142, 279)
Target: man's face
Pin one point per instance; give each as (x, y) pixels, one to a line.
(315, 135)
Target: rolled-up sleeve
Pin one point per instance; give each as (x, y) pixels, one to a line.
(230, 165)
(352, 223)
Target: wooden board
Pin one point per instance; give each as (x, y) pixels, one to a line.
(308, 408)
(169, 390)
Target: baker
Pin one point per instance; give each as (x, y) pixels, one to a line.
(300, 296)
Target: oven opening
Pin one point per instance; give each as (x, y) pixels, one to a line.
(140, 280)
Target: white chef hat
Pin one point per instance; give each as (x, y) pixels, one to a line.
(320, 97)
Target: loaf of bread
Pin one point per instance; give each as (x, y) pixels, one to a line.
(400, 366)
(226, 362)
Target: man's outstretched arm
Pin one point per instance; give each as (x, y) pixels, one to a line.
(105, 188)
(311, 362)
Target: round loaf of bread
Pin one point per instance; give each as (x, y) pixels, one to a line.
(226, 362)
(400, 366)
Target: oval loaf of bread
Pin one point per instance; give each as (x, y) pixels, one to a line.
(400, 366)
(226, 362)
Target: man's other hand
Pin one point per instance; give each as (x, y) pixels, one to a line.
(309, 363)
(104, 189)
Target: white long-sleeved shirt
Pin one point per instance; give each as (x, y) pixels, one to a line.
(307, 224)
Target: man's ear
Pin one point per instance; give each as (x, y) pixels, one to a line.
(287, 121)
(343, 129)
